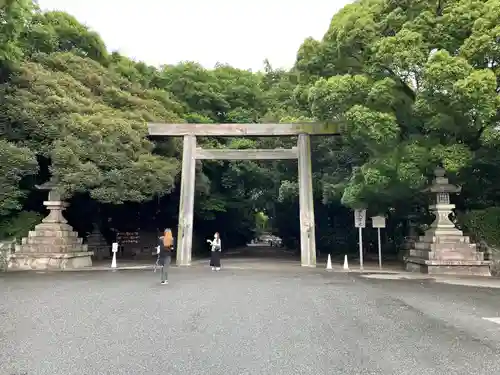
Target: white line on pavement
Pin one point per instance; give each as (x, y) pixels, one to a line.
(494, 320)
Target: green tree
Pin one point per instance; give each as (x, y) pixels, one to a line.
(14, 15)
(60, 32)
(15, 163)
(68, 110)
(412, 85)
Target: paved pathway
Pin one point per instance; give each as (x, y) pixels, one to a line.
(244, 321)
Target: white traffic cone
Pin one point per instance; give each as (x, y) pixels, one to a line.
(329, 263)
(346, 265)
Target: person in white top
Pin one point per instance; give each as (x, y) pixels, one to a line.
(216, 247)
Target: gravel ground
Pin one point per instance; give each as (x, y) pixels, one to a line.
(237, 321)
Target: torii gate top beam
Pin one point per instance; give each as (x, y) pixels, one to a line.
(241, 130)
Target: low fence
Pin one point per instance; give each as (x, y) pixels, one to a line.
(6, 248)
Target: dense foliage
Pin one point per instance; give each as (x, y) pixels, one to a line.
(412, 84)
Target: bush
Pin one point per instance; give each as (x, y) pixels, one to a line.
(485, 226)
(19, 225)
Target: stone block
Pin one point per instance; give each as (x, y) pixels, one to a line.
(493, 255)
(6, 250)
(55, 241)
(465, 247)
(446, 255)
(50, 248)
(495, 267)
(54, 233)
(448, 267)
(49, 261)
(444, 239)
(54, 229)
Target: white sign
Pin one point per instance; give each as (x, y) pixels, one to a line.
(359, 218)
(114, 249)
(378, 221)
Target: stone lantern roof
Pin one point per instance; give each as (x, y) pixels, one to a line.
(50, 186)
(440, 183)
(46, 186)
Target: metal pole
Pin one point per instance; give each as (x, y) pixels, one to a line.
(157, 225)
(360, 248)
(379, 250)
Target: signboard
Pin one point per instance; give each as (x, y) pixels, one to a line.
(127, 238)
(359, 218)
(378, 221)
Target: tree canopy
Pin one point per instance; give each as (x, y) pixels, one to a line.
(412, 84)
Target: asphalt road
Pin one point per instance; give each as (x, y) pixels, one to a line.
(288, 321)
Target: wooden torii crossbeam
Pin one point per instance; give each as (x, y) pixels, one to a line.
(191, 153)
(241, 130)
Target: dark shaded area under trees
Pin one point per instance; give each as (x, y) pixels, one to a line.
(413, 84)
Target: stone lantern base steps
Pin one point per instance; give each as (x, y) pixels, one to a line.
(51, 246)
(444, 250)
(447, 255)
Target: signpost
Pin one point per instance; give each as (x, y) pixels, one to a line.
(379, 222)
(360, 223)
(114, 249)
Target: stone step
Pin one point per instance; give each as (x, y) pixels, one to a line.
(50, 261)
(52, 233)
(56, 241)
(54, 226)
(451, 262)
(445, 239)
(453, 267)
(50, 248)
(457, 246)
(466, 250)
(447, 255)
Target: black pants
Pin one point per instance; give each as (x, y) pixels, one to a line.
(164, 263)
(215, 259)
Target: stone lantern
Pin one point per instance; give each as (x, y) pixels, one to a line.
(97, 243)
(442, 208)
(53, 244)
(443, 249)
(411, 236)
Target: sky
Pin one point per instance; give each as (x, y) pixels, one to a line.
(167, 31)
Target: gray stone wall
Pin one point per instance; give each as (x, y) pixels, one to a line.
(495, 267)
(493, 255)
(6, 248)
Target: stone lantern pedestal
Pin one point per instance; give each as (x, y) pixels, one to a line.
(97, 244)
(410, 238)
(53, 244)
(443, 249)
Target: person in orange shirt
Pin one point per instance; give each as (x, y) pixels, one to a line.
(166, 244)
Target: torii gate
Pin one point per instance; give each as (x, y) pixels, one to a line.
(191, 153)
